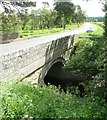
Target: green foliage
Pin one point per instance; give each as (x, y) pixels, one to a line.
(16, 17)
(105, 27)
(8, 23)
(32, 23)
(65, 10)
(105, 22)
(26, 101)
(88, 57)
(79, 15)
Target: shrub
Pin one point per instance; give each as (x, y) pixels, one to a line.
(87, 58)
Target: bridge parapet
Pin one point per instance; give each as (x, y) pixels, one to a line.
(18, 65)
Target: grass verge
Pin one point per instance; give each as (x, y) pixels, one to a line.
(26, 101)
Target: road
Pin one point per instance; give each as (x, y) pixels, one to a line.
(16, 46)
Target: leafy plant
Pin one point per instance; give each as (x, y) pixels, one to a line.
(87, 58)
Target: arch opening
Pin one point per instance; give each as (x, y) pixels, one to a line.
(58, 76)
(53, 75)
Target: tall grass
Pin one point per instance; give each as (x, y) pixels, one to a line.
(26, 101)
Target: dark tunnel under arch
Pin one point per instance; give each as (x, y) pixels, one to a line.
(53, 75)
(58, 76)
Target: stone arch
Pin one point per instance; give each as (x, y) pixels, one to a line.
(54, 74)
(59, 61)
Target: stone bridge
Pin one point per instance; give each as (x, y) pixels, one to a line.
(31, 60)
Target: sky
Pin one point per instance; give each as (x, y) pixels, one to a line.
(92, 8)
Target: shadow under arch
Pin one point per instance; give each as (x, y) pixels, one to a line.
(63, 79)
(53, 74)
(55, 65)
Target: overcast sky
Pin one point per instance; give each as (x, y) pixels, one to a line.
(92, 8)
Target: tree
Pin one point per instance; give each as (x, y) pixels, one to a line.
(17, 5)
(20, 8)
(48, 17)
(105, 34)
(79, 15)
(64, 9)
(9, 23)
(24, 19)
(105, 22)
(34, 19)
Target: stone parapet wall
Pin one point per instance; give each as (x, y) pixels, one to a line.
(19, 64)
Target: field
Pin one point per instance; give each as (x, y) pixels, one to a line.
(38, 33)
(98, 26)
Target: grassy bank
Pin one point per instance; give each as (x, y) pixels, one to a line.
(26, 101)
